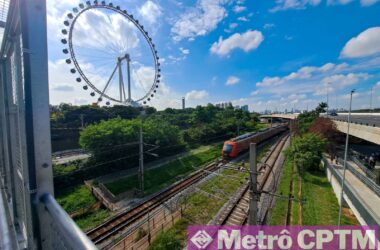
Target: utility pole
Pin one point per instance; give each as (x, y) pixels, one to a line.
(345, 159)
(183, 103)
(327, 98)
(82, 120)
(141, 153)
(370, 104)
(253, 201)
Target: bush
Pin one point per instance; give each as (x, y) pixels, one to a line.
(306, 150)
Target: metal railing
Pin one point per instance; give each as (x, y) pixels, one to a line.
(30, 218)
(365, 212)
(364, 179)
(7, 236)
(367, 171)
(70, 233)
(353, 122)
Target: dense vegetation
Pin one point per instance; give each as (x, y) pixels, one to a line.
(306, 151)
(159, 178)
(303, 177)
(309, 142)
(320, 205)
(111, 134)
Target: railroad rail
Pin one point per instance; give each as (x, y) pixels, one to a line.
(121, 221)
(125, 218)
(236, 213)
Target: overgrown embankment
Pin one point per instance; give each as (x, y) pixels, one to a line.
(320, 205)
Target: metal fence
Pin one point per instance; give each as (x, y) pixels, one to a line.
(366, 213)
(30, 218)
(367, 171)
(367, 181)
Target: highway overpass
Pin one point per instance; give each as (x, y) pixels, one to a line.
(365, 126)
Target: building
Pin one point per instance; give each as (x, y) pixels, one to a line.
(244, 108)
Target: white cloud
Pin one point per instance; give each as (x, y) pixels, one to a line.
(268, 26)
(60, 79)
(243, 19)
(338, 2)
(341, 80)
(368, 2)
(110, 33)
(200, 20)
(64, 88)
(232, 80)
(174, 59)
(197, 95)
(365, 44)
(247, 41)
(150, 11)
(233, 25)
(363, 3)
(293, 4)
(254, 93)
(142, 80)
(184, 51)
(301, 74)
(282, 5)
(238, 8)
(377, 84)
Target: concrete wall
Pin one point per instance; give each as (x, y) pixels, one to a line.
(371, 134)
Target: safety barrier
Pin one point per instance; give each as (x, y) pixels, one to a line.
(368, 182)
(365, 212)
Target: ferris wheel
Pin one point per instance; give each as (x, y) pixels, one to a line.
(111, 54)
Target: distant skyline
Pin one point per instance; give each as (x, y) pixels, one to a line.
(269, 55)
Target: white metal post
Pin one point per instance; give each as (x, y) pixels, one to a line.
(37, 116)
(129, 76)
(141, 158)
(345, 160)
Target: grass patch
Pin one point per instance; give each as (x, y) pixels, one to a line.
(321, 206)
(280, 209)
(75, 198)
(296, 205)
(92, 219)
(61, 169)
(156, 179)
(201, 206)
(174, 238)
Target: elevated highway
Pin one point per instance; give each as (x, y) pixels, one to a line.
(365, 126)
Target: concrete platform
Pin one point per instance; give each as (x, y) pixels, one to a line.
(366, 198)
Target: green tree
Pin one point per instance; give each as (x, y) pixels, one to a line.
(306, 150)
(118, 138)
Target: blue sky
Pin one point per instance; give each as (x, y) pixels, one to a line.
(267, 54)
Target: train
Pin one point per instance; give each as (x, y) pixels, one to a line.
(233, 147)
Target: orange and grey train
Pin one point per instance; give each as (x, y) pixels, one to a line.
(234, 146)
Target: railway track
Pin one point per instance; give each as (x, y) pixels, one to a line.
(125, 218)
(121, 221)
(236, 213)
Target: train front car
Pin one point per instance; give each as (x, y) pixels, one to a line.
(230, 150)
(234, 146)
